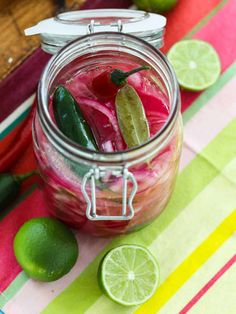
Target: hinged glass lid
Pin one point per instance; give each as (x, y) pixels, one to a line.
(58, 31)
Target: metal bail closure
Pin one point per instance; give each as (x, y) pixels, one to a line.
(95, 174)
(92, 24)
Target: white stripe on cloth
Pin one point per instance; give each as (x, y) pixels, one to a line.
(17, 113)
(201, 129)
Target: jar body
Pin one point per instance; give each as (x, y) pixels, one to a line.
(61, 185)
(62, 177)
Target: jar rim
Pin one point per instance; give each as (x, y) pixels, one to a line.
(56, 32)
(75, 151)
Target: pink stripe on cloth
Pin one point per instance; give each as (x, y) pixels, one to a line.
(32, 206)
(21, 83)
(224, 25)
(204, 290)
(220, 32)
(212, 118)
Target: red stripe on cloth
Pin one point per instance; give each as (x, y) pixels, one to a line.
(26, 163)
(16, 151)
(10, 154)
(9, 139)
(220, 32)
(98, 4)
(204, 290)
(21, 83)
(32, 206)
(184, 17)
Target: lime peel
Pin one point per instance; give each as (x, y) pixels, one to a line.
(45, 248)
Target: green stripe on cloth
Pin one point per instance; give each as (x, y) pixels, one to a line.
(11, 290)
(209, 93)
(84, 291)
(14, 123)
(198, 26)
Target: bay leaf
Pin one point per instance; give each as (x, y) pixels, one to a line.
(131, 117)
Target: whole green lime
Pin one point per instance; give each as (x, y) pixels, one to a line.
(157, 6)
(45, 248)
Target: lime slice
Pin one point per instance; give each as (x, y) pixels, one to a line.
(128, 275)
(196, 63)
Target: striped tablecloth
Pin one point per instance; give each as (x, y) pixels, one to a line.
(194, 239)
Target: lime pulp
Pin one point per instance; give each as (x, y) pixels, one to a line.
(128, 275)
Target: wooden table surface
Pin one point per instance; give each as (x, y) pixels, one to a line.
(15, 16)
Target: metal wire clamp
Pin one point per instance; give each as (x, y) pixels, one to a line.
(93, 23)
(91, 211)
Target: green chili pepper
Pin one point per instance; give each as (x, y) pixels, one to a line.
(10, 187)
(70, 119)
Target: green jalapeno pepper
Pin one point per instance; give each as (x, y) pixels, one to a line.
(70, 119)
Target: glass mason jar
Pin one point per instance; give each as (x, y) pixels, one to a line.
(107, 193)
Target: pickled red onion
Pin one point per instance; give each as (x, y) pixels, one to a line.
(108, 147)
(109, 113)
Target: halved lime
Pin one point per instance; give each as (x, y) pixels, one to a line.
(196, 63)
(128, 274)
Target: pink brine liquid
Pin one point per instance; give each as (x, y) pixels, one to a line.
(155, 177)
